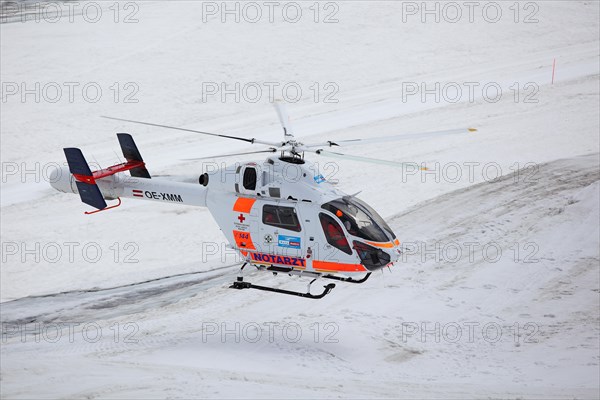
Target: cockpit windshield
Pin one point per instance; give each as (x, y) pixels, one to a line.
(360, 219)
(380, 221)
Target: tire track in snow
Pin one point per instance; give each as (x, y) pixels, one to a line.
(104, 303)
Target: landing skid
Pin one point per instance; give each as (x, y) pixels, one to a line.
(240, 284)
(348, 279)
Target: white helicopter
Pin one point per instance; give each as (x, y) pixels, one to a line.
(281, 215)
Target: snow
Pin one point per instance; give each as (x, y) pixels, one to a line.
(359, 341)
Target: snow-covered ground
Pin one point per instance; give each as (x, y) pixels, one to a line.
(519, 264)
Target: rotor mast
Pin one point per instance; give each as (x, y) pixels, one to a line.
(291, 145)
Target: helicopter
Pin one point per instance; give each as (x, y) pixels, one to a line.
(281, 215)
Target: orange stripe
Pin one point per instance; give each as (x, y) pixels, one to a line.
(334, 266)
(383, 245)
(396, 242)
(243, 204)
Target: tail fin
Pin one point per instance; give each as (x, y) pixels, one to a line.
(86, 184)
(131, 153)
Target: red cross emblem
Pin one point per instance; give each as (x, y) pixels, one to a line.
(242, 218)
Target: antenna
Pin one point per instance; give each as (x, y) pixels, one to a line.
(118, 157)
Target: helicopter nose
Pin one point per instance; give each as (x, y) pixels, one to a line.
(395, 254)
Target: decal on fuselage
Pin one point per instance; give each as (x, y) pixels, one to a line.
(319, 178)
(241, 210)
(282, 260)
(163, 196)
(243, 240)
(292, 242)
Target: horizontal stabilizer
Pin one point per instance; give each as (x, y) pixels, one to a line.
(131, 153)
(76, 161)
(90, 194)
(84, 178)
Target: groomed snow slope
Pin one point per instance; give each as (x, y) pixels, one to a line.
(367, 344)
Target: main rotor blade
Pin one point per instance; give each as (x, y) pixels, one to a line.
(284, 119)
(365, 159)
(252, 140)
(231, 155)
(409, 136)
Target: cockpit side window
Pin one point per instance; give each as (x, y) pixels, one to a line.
(281, 217)
(334, 233)
(359, 221)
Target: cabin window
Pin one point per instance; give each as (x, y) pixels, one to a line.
(249, 180)
(281, 217)
(334, 234)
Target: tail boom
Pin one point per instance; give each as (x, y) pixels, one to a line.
(96, 187)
